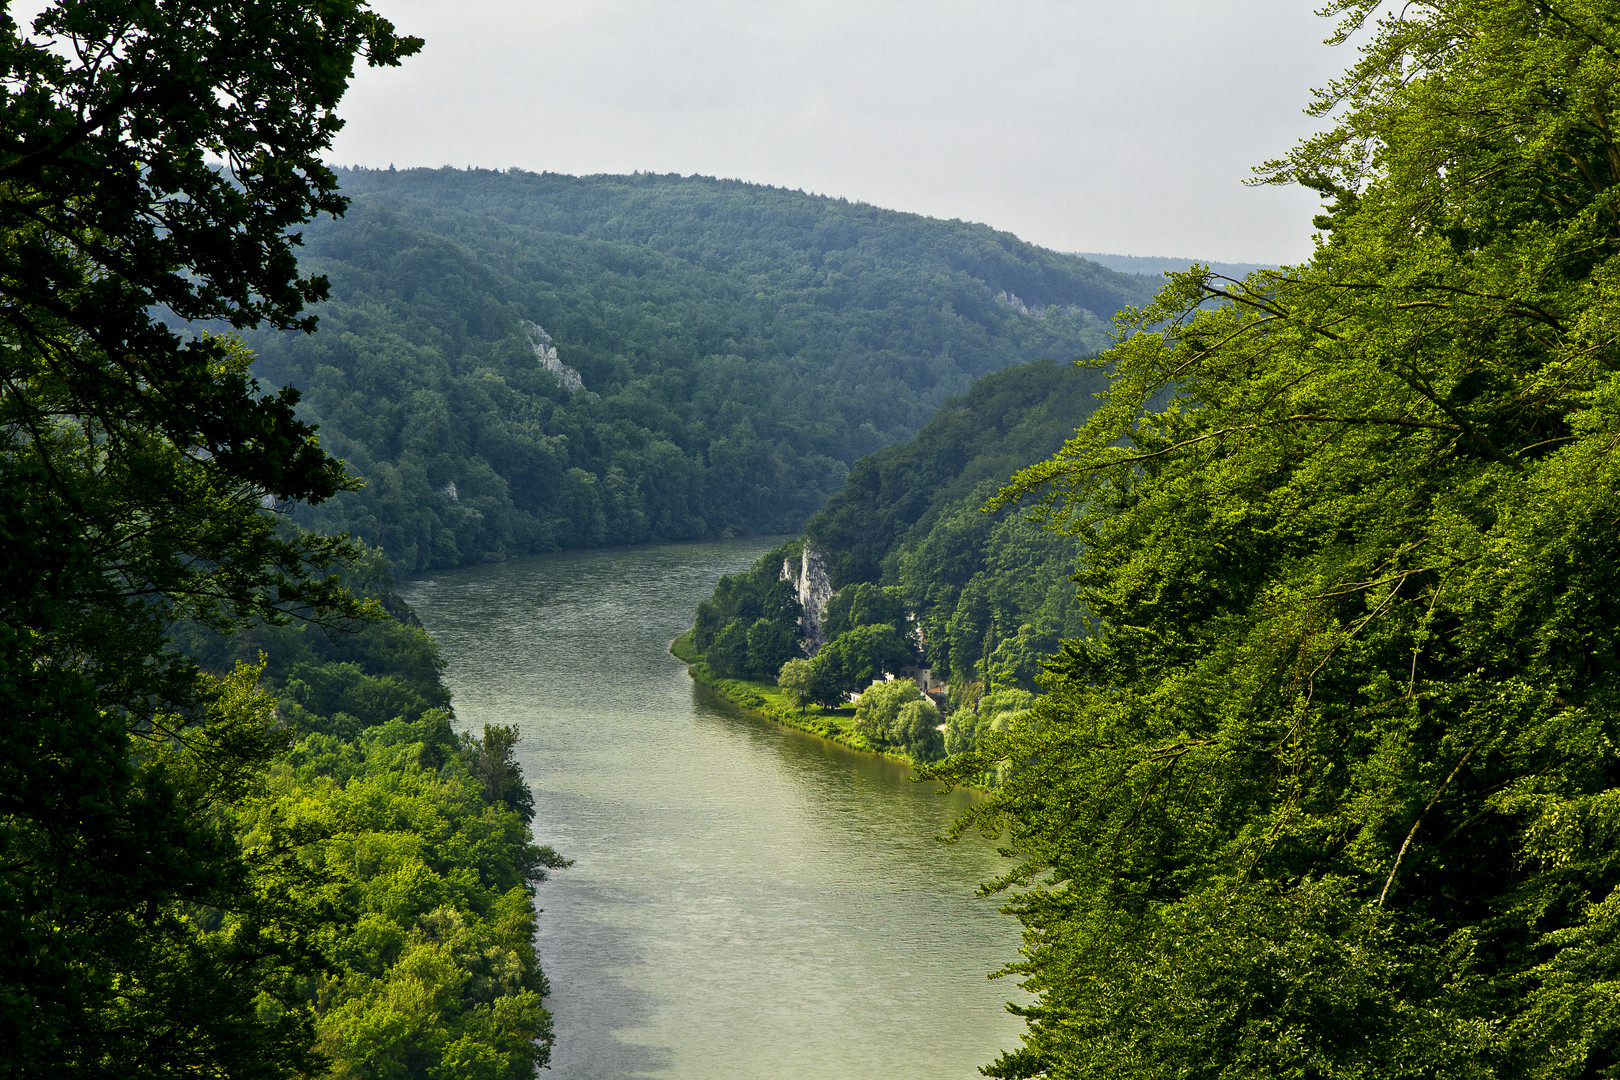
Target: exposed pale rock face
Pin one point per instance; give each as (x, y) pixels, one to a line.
(809, 576)
(1039, 310)
(546, 353)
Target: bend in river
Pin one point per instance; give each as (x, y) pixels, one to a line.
(745, 900)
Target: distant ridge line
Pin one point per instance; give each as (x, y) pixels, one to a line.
(1153, 265)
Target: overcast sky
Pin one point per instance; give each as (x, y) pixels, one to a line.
(1087, 125)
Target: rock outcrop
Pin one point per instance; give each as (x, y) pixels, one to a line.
(546, 352)
(809, 576)
(1038, 310)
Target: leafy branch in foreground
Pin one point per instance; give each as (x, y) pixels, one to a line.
(1329, 789)
(152, 157)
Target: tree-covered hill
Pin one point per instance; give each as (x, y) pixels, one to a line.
(737, 347)
(961, 458)
(989, 592)
(923, 576)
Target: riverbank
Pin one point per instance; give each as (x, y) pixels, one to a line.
(773, 703)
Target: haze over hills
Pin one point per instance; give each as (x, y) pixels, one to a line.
(518, 362)
(1154, 265)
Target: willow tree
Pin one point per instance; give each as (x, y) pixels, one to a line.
(1330, 788)
(154, 160)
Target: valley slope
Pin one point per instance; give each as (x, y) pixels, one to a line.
(924, 582)
(519, 362)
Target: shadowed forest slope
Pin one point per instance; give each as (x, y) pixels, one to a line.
(519, 362)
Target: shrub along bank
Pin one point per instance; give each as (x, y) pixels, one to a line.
(774, 702)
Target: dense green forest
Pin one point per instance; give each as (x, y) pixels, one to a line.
(1329, 788)
(237, 834)
(404, 849)
(1320, 778)
(517, 362)
(925, 578)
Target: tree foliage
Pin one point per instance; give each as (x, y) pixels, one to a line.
(153, 159)
(1328, 788)
(864, 604)
(794, 677)
(750, 627)
(974, 714)
(432, 971)
(852, 661)
(405, 846)
(896, 715)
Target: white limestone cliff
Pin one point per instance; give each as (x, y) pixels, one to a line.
(546, 352)
(809, 576)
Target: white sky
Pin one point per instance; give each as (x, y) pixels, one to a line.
(1124, 126)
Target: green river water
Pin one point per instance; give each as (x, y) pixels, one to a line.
(745, 901)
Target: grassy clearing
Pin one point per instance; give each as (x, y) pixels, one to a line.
(684, 650)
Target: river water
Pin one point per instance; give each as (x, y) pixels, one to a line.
(746, 901)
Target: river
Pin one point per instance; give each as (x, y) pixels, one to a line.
(746, 901)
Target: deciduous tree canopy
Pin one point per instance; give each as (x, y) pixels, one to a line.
(152, 156)
(1330, 787)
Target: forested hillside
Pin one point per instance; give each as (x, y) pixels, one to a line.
(924, 576)
(989, 591)
(518, 362)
